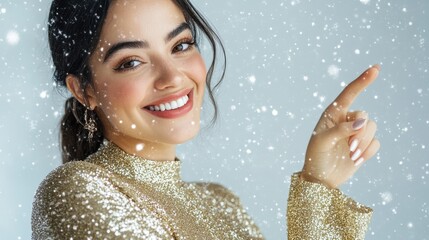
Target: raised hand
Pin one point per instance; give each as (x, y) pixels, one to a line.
(342, 140)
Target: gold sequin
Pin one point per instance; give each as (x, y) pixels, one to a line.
(317, 212)
(115, 195)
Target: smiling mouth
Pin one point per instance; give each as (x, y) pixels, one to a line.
(175, 104)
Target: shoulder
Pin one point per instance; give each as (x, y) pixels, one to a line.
(75, 168)
(73, 174)
(82, 200)
(69, 182)
(74, 177)
(62, 190)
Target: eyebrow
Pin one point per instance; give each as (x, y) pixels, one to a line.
(122, 45)
(182, 27)
(142, 44)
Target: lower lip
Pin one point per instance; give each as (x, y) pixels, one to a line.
(178, 112)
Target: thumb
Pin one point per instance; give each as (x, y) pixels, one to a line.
(330, 137)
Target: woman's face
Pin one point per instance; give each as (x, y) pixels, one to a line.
(149, 78)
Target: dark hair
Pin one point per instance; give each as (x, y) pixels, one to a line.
(74, 30)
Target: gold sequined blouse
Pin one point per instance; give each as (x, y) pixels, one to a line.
(115, 195)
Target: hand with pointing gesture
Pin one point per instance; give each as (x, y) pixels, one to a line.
(342, 140)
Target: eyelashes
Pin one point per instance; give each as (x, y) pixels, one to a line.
(128, 64)
(182, 46)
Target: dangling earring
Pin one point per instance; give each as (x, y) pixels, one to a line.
(90, 125)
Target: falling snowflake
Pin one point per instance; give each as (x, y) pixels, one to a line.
(386, 197)
(252, 79)
(275, 112)
(12, 37)
(333, 71)
(44, 94)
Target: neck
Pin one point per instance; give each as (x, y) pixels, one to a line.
(148, 150)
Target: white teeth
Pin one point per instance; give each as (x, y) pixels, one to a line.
(179, 102)
(162, 107)
(167, 106)
(171, 105)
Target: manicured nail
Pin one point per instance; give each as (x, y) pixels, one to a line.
(359, 162)
(376, 66)
(354, 145)
(359, 123)
(356, 155)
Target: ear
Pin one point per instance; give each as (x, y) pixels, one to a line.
(85, 97)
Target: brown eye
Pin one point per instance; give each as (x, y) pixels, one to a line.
(129, 65)
(182, 47)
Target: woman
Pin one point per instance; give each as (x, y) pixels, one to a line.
(137, 80)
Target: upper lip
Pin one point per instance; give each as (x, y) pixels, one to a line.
(171, 97)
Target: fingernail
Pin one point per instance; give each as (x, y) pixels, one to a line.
(354, 145)
(376, 66)
(358, 162)
(356, 155)
(358, 124)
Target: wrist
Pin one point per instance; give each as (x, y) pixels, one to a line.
(309, 178)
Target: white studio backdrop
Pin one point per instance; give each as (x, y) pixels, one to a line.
(287, 60)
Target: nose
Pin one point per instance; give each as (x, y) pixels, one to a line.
(169, 75)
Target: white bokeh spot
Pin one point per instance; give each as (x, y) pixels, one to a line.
(334, 71)
(12, 37)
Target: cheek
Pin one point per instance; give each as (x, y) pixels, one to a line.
(197, 69)
(120, 93)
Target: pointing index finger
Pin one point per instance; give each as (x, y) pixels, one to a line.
(346, 98)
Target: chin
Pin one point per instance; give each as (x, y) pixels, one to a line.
(180, 136)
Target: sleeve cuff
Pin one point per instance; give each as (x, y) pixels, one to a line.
(317, 212)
